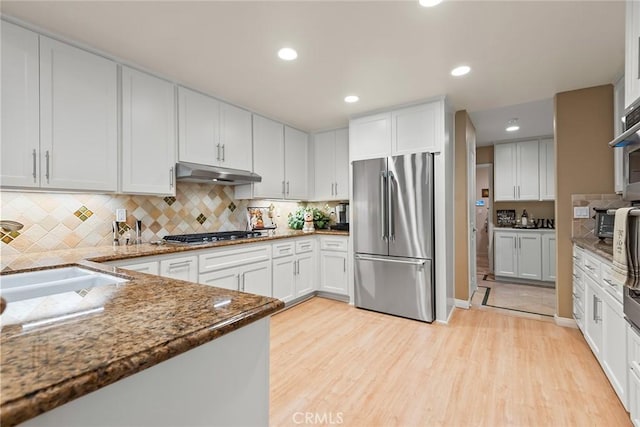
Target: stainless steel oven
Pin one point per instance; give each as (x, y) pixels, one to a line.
(630, 140)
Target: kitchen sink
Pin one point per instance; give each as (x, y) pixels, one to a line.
(34, 284)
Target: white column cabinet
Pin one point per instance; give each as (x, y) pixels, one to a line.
(516, 171)
(632, 54)
(547, 170)
(78, 118)
(181, 268)
(148, 134)
(296, 164)
(268, 154)
(331, 161)
(20, 148)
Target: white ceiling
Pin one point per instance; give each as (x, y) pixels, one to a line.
(387, 52)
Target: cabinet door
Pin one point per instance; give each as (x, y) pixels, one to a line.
(256, 279)
(634, 396)
(183, 268)
(283, 278)
(342, 165)
(325, 165)
(528, 171)
(370, 137)
(19, 165)
(548, 257)
(504, 183)
(333, 272)
(417, 129)
(268, 157)
(228, 278)
(593, 317)
(547, 170)
(305, 274)
(148, 134)
(529, 256)
(505, 254)
(614, 346)
(199, 128)
(78, 118)
(296, 165)
(235, 138)
(632, 55)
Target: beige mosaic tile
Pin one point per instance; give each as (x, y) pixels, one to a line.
(584, 227)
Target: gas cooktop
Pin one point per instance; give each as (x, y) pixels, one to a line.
(202, 238)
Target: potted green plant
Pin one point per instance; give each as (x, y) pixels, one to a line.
(296, 218)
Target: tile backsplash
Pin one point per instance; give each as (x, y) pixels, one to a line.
(61, 221)
(584, 227)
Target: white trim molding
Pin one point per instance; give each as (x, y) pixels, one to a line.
(460, 303)
(565, 322)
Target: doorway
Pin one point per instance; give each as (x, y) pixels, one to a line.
(484, 219)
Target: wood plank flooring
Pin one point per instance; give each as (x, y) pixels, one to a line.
(334, 364)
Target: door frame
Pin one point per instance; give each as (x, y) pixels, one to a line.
(490, 225)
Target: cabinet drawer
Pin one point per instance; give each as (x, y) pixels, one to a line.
(333, 244)
(220, 259)
(633, 347)
(150, 267)
(613, 287)
(578, 278)
(282, 249)
(592, 267)
(304, 246)
(578, 257)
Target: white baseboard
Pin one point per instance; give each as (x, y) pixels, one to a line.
(565, 322)
(460, 303)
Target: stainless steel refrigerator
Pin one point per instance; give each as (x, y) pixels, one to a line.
(393, 232)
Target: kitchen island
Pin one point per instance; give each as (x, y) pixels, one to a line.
(150, 351)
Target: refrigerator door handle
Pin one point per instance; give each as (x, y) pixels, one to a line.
(390, 205)
(383, 206)
(417, 262)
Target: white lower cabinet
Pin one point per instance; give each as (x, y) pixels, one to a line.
(255, 278)
(599, 314)
(149, 267)
(182, 268)
(333, 265)
(294, 269)
(525, 254)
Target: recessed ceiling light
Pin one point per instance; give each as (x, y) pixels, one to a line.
(429, 3)
(351, 99)
(512, 125)
(287, 54)
(460, 71)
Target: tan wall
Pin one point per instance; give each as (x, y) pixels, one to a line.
(464, 131)
(584, 165)
(484, 155)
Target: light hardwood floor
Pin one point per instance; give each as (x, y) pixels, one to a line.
(335, 363)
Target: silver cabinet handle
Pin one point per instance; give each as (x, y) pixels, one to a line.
(383, 207)
(171, 177)
(514, 192)
(283, 192)
(34, 165)
(242, 282)
(391, 260)
(332, 193)
(179, 265)
(287, 188)
(217, 151)
(344, 265)
(518, 191)
(46, 156)
(515, 243)
(238, 279)
(595, 308)
(298, 266)
(336, 189)
(223, 152)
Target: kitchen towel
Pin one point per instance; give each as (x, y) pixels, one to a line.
(625, 249)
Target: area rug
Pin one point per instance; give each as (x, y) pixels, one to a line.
(522, 298)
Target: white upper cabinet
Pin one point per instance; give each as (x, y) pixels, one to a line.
(20, 148)
(78, 118)
(148, 134)
(418, 128)
(199, 125)
(212, 132)
(547, 170)
(517, 171)
(370, 137)
(331, 158)
(268, 152)
(235, 137)
(632, 55)
(296, 164)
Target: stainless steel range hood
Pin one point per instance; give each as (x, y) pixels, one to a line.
(193, 172)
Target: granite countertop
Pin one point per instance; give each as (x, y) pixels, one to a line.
(125, 328)
(592, 244)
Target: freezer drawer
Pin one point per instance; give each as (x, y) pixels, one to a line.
(398, 286)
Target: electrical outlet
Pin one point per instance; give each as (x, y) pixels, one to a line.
(581, 211)
(121, 215)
